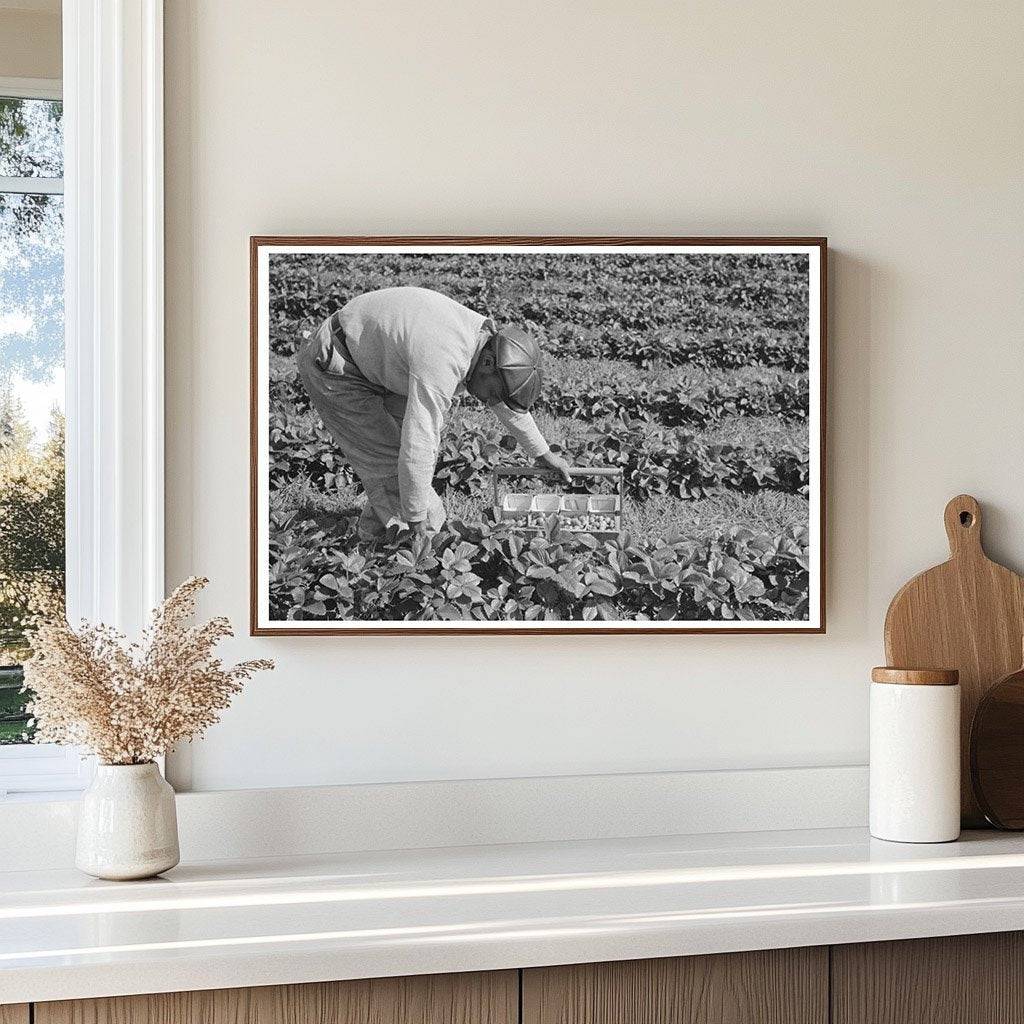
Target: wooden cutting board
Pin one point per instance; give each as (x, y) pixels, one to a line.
(967, 614)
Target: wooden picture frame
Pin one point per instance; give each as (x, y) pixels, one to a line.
(263, 247)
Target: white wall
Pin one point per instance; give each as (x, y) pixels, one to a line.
(895, 129)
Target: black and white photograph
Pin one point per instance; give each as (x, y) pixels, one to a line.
(519, 435)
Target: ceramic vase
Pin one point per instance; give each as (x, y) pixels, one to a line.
(127, 825)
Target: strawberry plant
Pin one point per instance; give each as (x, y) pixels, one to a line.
(488, 572)
(679, 405)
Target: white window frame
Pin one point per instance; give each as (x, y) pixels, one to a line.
(31, 89)
(114, 324)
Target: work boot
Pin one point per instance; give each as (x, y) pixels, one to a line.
(369, 528)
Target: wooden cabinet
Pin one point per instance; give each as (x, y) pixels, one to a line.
(970, 979)
(777, 986)
(491, 998)
(963, 979)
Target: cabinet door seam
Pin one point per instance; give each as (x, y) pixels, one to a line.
(830, 987)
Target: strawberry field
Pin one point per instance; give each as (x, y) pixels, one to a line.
(690, 372)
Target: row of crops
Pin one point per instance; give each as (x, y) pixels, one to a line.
(487, 572)
(668, 462)
(685, 403)
(730, 310)
(717, 350)
(680, 404)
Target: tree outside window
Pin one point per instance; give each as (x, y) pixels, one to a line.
(31, 387)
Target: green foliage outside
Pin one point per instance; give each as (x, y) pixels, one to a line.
(31, 549)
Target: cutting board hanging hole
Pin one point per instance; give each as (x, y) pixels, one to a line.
(963, 525)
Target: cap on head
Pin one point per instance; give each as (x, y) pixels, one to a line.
(517, 358)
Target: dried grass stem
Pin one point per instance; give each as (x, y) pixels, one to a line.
(129, 703)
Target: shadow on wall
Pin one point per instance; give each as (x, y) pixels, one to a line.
(854, 289)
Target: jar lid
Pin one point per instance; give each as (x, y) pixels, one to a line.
(916, 676)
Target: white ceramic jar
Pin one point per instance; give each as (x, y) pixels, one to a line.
(915, 755)
(127, 824)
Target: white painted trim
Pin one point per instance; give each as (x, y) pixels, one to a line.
(242, 824)
(43, 770)
(113, 85)
(113, 145)
(32, 186)
(31, 88)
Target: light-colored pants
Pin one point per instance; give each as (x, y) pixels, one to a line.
(365, 422)
(383, 505)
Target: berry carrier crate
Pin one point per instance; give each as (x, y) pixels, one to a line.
(596, 514)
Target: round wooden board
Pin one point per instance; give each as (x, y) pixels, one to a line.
(997, 753)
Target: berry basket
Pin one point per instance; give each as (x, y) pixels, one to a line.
(596, 514)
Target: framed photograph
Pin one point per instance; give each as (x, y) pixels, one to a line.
(537, 435)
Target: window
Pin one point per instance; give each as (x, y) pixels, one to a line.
(32, 514)
(92, 172)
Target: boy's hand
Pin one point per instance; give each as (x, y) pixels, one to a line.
(558, 464)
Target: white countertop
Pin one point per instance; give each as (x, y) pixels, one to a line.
(261, 922)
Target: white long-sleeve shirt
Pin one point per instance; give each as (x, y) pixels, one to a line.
(420, 344)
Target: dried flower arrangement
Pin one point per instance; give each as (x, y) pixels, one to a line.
(131, 703)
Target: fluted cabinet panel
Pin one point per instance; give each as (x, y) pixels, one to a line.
(479, 998)
(960, 979)
(777, 986)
